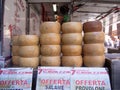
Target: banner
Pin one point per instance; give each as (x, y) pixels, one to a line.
(68, 78)
(90, 79)
(16, 78)
(56, 78)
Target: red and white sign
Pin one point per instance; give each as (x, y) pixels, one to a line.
(90, 79)
(16, 78)
(53, 78)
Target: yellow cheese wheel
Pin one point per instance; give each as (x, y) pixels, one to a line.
(72, 39)
(50, 39)
(15, 60)
(94, 37)
(29, 62)
(50, 61)
(50, 50)
(93, 49)
(29, 51)
(15, 40)
(28, 40)
(94, 61)
(72, 27)
(50, 27)
(92, 26)
(75, 61)
(71, 50)
(15, 50)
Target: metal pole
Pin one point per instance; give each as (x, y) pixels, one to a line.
(27, 17)
(1, 25)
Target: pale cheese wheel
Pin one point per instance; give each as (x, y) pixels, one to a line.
(15, 40)
(71, 50)
(50, 39)
(15, 60)
(93, 49)
(94, 37)
(75, 61)
(72, 39)
(29, 51)
(72, 27)
(94, 61)
(50, 50)
(15, 50)
(28, 40)
(50, 27)
(29, 62)
(92, 26)
(50, 61)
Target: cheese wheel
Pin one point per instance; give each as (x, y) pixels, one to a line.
(50, 27)
(93, 49)
(50, 39)
(92, 26)
(71, 50)
(72, 27)
(15, 60)
(29, 51)
(94, 37)
(50, 61)
(50, 50)
(72, 39)
(29, 62)
(94, 61)
(15, 40)
(15, 50)
(28, 40)
(75, 61)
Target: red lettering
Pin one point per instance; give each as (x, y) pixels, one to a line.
(103, 83)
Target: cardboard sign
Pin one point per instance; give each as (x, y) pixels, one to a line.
(90, 79)
(53, 78)
(16, 78)
(2, 62)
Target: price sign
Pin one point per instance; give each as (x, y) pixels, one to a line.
(16, 78)
(53, 78)
(90, 79)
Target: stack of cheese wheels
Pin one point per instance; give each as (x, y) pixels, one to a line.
(50, 44)
(93, 48)
(28, 51)
(71, 44)
(15, 50)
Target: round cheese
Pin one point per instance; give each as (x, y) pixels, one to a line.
(50, 50)
(93, 49)
(94, 37)
(50, 27)
(50, 39)
(29, 51)
(72, 39)
(92, 26)
(72, 27)
(15, 50)
(50, 61)
(15, 60)
(29, 62)
(71, 50)
(28, 40)
(74, 61)
(94, 61)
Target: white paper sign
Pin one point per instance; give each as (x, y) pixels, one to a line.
(16, 78)
(53, 78)
(90, 79)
